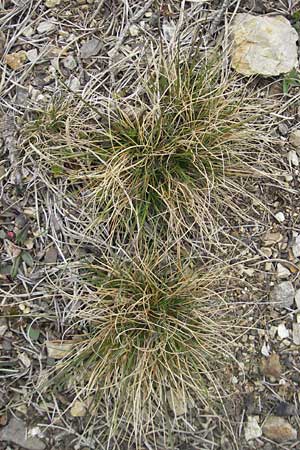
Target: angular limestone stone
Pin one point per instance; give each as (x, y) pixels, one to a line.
(263, 45)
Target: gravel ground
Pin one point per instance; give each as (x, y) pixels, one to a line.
(93, 47)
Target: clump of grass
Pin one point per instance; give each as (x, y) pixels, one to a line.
(147, 334)
(174, 155)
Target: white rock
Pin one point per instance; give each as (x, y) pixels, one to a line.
(252, 429)
(280, 217)
(282, 271)
(73, 83)
(295, 139)
(58, 349)
(69, 62)
(282, 331)
(296, 247)
(265, 350)
(297, 298)
(263, 45)
(32, 55)
(134, 30)
(288, 178)
(296, 333)
(28, 31)
(283, 294)
(46, 27)
(293, 158)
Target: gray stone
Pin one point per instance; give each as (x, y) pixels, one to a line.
(283, 294)
(252, 428)
(69, 62)
(16, 433)
(280, 217)
(296, 333)
(295, 139)
(264, 45)
(296, 247)
(283, 129)
(32, 55)
(90, 48)
(283, 332)
(297, 298)
(28, 31)
(282, 271)
(73, 83)
(46, 27)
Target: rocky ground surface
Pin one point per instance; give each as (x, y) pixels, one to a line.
(91, 45)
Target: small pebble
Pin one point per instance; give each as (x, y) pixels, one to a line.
(265, 350)
(297, 298)
(295, 139)
(282, 331)
(296, 333)
(73, 83)
(46, 27)
(32, 55)
(293, 158)
(69, 62)
(282, 271)
(252, 428)
(283, 295)
(280, 217)
(28, 31)
(296, 247)
(134, 30)
(283, 129)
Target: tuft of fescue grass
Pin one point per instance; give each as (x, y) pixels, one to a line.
(174, 156)
(147, 335)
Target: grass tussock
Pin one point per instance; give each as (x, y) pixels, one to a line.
(174, 155)
(148, 335)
